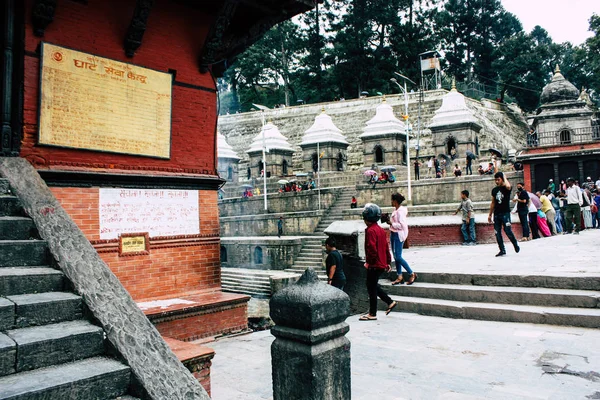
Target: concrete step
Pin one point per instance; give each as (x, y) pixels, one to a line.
(4, 187)
(45, 308)
(310, 257)
(17, 228)
(19, 253)
(42, 346)
(587, 318)
(309, 263)
(246, 285)
(502, 295)
(249, 292)
(239, 279)
(10, 206)
(92, 378)
(546, 281)
(32, 279)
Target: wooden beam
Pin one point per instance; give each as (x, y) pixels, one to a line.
(137, 27)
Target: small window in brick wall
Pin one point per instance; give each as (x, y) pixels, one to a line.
(284, 167)
(258, 255)
(230, 173)
(223, 254)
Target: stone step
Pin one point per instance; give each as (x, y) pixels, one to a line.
(92, 378)
(498, 294)
(246, 279)
(544, 281)
(19, 253)
(38, 279)
(248, 285)
(42, 346)
(45, 308)
(17, 228)
(309, 263)
(250, 292)
(586, 318)
(311, 257)
(10, 206)
(4, 187)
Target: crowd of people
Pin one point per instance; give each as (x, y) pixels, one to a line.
(297, 186)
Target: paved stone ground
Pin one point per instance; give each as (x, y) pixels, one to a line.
(408, 356)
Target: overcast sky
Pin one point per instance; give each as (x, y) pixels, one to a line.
(565, 20)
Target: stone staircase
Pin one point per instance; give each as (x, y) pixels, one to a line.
(571, 301)
(335, 212)
(255, 283)
(310, 255)
(48, 349)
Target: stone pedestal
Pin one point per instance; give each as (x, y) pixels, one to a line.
(310, 355)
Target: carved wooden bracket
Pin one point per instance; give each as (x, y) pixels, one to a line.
(42, 15)
(137, 27)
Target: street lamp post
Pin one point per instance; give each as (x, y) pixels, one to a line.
(264, 149)
(407, 130)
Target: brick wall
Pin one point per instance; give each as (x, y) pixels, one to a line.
(227, 320)
(174, 265)
(173, 40)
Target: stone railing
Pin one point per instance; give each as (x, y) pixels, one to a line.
(564, 137)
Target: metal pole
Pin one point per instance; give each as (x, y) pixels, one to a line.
(419, 121)
(409, 197)
(319, 174)
(264, 146)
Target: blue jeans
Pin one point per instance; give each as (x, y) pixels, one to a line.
(397, 251)
(503, 220)
(558, 220)
(471, 230)
(523, 214)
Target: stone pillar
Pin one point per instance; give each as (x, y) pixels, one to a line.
(310, 354)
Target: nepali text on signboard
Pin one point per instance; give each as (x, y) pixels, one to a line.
(95, 103)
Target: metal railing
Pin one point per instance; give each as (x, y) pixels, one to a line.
(563, 137)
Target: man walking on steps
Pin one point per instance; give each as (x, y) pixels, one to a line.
(500, 208)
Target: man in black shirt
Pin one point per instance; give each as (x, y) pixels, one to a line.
(500, 208)
(335, 265)
(522, 200)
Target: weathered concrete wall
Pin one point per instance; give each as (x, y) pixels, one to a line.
(277, 203)
(502, 127)
(302, 223)
(276, 253)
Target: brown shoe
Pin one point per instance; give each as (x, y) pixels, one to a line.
(399, 280)
(412, 278)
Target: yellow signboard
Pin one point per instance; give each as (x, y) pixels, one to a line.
(133, 244)
(95, 103)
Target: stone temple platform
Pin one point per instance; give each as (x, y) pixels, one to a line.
(410, 356)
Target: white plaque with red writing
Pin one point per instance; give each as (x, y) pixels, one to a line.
(95, 103)
(159, 212)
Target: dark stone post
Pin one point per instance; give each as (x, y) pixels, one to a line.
(310, 354)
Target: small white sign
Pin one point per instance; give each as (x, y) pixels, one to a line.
(159, 212)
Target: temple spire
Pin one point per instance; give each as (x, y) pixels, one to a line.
(453, 84)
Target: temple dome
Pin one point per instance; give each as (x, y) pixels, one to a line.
(559, 89)
(274, 140)
(383, 123)
(453, 111)
(224, 150)
(323, 130)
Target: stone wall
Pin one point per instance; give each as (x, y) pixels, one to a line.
(435, 191)
(277, 203)
(502, 126)
(276, 253)
(301, 223)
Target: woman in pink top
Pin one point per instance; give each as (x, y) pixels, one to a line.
(398, 235)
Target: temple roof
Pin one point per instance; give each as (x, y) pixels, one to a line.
(559, 89)
(323, 130)
(224, 150)
(384, 122)
(453, 111)
(274, 140)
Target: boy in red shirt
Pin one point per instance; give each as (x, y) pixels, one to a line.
(378, 260)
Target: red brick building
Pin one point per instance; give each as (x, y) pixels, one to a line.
(114, 99)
